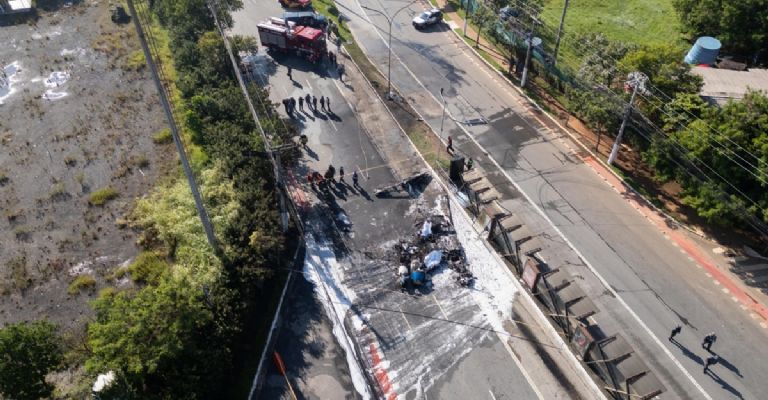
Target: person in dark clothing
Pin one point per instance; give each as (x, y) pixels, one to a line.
(327, 103)
(290, 73)
(710, 361)
(709, 340)
(449, 148)
(301, 103)
(676, 331)
(340, 70)
(354, 179)
(470, 164)
(293, 105)
(330, 173)
(341, 174)
(307, 98)
(287, 106)
(322, 102)
(314, 102)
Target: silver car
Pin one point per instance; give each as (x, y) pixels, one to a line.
(428, 18)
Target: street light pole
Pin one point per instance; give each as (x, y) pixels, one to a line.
(390, 21)
(466, 15)
(637, 80)
(560, 32)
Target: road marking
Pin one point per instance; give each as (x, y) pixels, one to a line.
(333, 125)
(492, 395)
(725, 290)
(406, 319)
(555, 227)
(439, 306)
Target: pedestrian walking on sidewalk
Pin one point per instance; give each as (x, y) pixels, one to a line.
(322, 102)
(354, 179)
(676, 331)
(301, 103)
(341, 174)
(293, 105)
(327, 103)
(449, 148)
(340, 70)
(290, 73)
(710, 361)
(307, 98)
(314, 102)
(709, 340)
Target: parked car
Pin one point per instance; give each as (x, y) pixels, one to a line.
(295, 3)
(306, 18)
(428, 18)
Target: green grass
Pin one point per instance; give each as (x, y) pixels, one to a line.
(633, 21)
(82, 282)
(162, 136)
(102, 196)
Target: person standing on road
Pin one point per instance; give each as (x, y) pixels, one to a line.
(322, 102)
(710, 361)
(307, 98)
(290, 73)
(341, 174)
(340, 70)
(709, 340)
(327, 103)
(676, 331)
(354, 179)
(287, 107)
(293, 105)
(314, 102)
(301, 103)
(470, 164)
(449, 148)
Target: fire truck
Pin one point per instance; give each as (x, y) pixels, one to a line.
(285, 37)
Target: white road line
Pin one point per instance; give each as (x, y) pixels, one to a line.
(439, 306)
(541, 212)
(410, 328)
(332, 124)
(492, 395)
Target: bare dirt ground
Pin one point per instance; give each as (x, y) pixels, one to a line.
(79, 116)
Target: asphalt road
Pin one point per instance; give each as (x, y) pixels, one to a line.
(656, 281)
(433, 345)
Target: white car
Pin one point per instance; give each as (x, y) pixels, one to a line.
(428, 18)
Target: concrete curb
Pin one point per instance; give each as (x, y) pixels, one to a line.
(546, 325)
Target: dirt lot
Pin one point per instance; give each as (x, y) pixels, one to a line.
(79, 116)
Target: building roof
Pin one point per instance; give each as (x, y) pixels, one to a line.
(721, 85)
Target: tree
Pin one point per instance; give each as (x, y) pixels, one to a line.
(163, 341)
(742, 26)
(600, 66)
(28, 352)
(483, 17)
(599, 109)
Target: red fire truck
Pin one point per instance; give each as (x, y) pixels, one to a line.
(281, 36)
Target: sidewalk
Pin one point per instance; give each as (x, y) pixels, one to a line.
(751, 298)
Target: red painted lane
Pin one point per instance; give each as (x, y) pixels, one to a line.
(381, 374)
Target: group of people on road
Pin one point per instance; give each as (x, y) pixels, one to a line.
(706, 344)
(311, 101)
(314, 177)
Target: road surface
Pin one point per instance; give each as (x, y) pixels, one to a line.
(653, 285)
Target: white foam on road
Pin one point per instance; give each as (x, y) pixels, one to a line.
(494, 291)
(51, 95)
(56, 79)
(323, 270)
(8, 78)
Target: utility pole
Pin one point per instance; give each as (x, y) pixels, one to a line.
(529, 40)
(637, 80)
(560, 32)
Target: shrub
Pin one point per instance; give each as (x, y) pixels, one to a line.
(163, 136)
(108, 291)
(82, 282)
(136, 61)
(102, 196)
(147, 268)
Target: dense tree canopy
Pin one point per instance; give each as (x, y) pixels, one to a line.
(741, 25)
(28, 352)
(720, 159)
